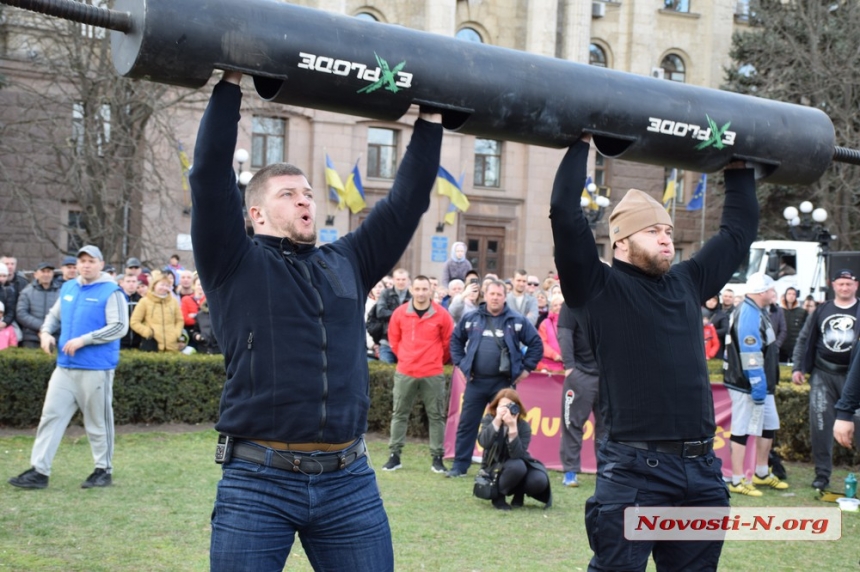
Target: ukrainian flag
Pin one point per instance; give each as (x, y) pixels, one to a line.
(185, 164)
(669, 193)
(354, 191)
(335, 185)
(448, 186)
(451, 215)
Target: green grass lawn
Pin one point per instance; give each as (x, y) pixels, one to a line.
(156, 516)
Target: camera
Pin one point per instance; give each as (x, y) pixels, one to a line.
(513, 408)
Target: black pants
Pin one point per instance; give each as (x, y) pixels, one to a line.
(632, 477)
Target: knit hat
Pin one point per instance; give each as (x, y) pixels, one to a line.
(637, 210)
(759, 283)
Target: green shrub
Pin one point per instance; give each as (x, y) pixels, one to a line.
(174, 388)
(164, 388)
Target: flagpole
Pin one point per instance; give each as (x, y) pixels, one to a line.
(704, 208)
(327, 188)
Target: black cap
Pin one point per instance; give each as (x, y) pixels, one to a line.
(843, 273)
(43, 265)
(133, 263)
(69, 261)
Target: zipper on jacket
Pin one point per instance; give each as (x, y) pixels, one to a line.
(251, 359)
(334, 277)
(303, 266)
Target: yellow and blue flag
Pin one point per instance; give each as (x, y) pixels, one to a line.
(185, 164)
(586, 194)
(669, 193)
(451, 215)
(448, 186)
(354, 191)
(697, 201)
(335, 185)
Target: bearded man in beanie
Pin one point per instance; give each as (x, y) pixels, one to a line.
(643, 318)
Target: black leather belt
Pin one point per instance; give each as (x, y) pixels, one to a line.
(300, 462)
(686, 449)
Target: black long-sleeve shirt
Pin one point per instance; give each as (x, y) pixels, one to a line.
(646, 332)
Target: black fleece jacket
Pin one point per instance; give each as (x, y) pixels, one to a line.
(290, 319)
(646, 333)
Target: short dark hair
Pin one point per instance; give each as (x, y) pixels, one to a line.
(261, 177)
(420, 277)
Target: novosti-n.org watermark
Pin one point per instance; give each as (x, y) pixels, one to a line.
(732, 523)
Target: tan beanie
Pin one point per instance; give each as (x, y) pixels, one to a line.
(637, 210)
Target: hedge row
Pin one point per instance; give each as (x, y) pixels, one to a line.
(173, 388)
(162, 388)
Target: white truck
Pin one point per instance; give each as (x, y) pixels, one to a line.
(811, 261)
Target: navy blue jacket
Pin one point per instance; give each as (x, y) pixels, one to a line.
(290, 319)
(518, 330)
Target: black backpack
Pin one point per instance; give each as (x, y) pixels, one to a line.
(375, 326)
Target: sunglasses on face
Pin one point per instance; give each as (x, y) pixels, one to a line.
(534, 284)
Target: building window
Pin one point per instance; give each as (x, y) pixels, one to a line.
(267, 141)
(488, 163)
(469, 35)
(366, 16)
(600, 168)
(677, 5)
(596, 56)
(673, 68)
(101, 123)
(75, 230)
(381, 153)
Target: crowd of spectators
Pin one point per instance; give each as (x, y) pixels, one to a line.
(167, 306)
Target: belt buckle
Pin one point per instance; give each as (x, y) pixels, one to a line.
(699, 444)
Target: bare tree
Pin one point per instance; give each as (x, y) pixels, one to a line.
(807, 52)
(85, 155)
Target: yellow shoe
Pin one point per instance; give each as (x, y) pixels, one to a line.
(744, 489)
(771, 481)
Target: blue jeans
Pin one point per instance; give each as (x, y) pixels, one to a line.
(479, 393)
(338, 515)
(386, 355)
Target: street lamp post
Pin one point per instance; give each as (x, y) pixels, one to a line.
(241, 157)
(594, 206)
(807, 223)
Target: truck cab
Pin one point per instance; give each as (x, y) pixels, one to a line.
(801, 264)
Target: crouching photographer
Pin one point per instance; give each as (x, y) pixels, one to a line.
(507, 468)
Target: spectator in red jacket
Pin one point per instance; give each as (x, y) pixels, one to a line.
(548, 332)
(191, 305)
(420, 334)
(712, 341)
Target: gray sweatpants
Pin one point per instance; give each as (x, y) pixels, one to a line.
(68, 390)
(579, 399)
(825, 388)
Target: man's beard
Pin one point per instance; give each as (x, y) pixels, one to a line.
(652, 265)
(308, 237)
